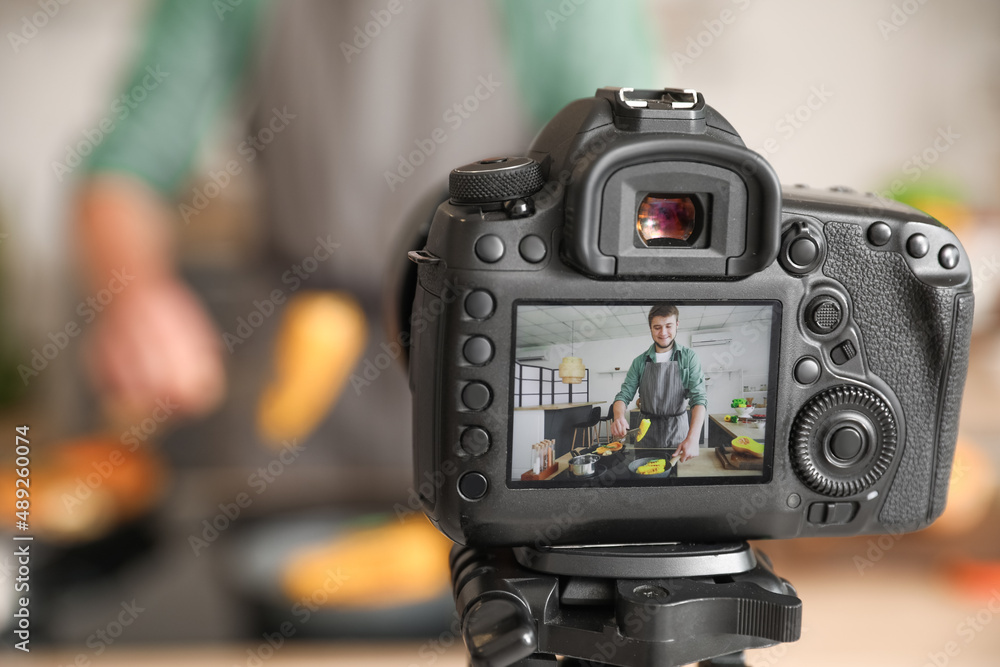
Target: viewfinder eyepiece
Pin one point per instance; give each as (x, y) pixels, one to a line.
(669, 220)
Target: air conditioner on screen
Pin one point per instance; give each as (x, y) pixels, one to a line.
(529, 354)
(711, 338)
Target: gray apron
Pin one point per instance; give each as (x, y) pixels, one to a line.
(662, 394)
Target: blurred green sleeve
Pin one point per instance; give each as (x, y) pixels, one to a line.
(194, 54)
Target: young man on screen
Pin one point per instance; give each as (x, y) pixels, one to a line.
(666, 375)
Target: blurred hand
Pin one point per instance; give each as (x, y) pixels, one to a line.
(154, 342)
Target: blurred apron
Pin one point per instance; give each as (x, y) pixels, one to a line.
(662, 395)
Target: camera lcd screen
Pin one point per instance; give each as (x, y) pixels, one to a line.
(636, 394)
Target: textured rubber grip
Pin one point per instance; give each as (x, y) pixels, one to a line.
(952, 402)
(909, 337)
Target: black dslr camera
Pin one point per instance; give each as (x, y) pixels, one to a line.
(847, 315)
(814, 348)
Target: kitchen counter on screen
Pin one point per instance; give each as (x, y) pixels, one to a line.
(561, 406)
(738, 430)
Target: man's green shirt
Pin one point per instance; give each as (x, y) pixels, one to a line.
(692, 376)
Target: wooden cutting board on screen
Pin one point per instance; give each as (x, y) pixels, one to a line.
(735, 461)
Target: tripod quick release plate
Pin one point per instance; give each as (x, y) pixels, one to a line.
(513, 615)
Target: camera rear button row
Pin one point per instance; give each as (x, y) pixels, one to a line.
(489, 248)
(473, 485)
(948, 256)
(476, 396)
(879, 233)
(917, 246)
(478, 350)
(475, 441)
(533, 249)
(479, 304)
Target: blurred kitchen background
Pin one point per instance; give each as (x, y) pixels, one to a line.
(258, 179)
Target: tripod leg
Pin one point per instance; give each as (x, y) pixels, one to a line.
(731, 660)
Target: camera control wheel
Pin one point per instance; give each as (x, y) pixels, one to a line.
(843, 440)
(495, 180)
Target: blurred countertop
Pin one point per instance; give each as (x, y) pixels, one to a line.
(894, 613)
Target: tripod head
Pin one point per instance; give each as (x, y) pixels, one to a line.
(623, 605)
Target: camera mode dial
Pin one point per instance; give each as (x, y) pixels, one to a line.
(843, 440)
(494, 180)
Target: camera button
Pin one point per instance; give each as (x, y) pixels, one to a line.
(478, 350)
(823, 315)
(807, 370)
(476, 396)
(489, 248)
(948, 257)
(843, 353)
(840, 513)
(475, 441)
(479, 304)
(817, 513)
(917, 245)
(533, 249)
(879, 233)
(832, 514)
(803, 251)
(802, 248)
(846, 444)
(473, 485)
